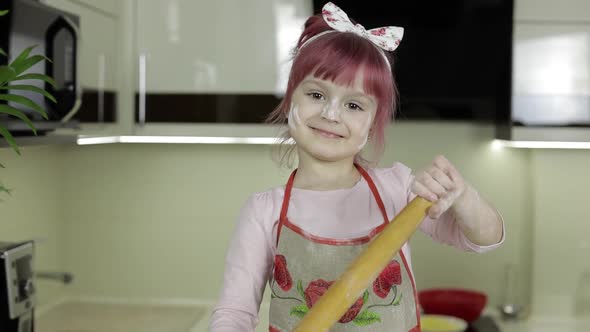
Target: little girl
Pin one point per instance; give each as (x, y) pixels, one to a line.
(300, 237)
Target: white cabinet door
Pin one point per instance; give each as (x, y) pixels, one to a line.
(552, 10)
(203, 62)
(551, 73)
(230, 46)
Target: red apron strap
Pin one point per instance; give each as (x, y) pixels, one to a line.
(375, 192)
(285, 205)
(289, 187)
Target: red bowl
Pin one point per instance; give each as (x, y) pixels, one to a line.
(462, 303)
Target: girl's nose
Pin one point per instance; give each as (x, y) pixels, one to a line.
(331, 112)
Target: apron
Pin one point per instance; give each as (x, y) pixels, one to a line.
(305, 266)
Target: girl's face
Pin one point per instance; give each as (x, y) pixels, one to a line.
(331, 122)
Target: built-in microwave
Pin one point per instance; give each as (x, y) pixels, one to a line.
(55, 34)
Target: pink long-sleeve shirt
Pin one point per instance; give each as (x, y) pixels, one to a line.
(339, 214)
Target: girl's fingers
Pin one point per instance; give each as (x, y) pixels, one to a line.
(442, 178)
(447, 167)
(441, 206)
(421, 190)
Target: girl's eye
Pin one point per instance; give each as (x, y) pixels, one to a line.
(354, 107)
(315, 95)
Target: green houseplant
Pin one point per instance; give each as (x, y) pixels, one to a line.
(15, 72)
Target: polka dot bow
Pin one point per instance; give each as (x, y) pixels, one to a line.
(387, 38)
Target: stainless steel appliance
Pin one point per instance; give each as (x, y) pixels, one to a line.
(56, 35)
(17, 289)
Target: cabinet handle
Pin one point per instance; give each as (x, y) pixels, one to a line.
(101, 86)
(142, 73)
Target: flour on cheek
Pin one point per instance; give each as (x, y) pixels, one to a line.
(293, 118)
(365, 132)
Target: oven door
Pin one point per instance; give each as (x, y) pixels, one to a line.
(18, 269)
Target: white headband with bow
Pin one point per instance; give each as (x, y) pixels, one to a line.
(386, 38)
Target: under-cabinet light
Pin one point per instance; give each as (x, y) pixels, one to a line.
(541, 144)
(177, 140)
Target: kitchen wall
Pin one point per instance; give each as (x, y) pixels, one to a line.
(561, 268)
(35, 209)
(153, 221)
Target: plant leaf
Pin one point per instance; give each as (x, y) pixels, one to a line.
(299, 311)
(25, 102)
(4, 132)
(6, 74)
(22, 56)
(366, 317)
(2, 52)
(4, 189)
(29, 88)
(300, 289)
(14, 112)
(28, 63)
(35, 77)
(3, 12)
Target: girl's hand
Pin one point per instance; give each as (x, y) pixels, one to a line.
(439, 183)
(442, 184)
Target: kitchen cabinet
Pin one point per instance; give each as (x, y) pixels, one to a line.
(552, 11)
(551, 76)
(226, 62)
(230, 56)
(197, 46)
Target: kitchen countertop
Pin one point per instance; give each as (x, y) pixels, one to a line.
(491, 321)
(484, 324)
(543, 324)
(538, 323)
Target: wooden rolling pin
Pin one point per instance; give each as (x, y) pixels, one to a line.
(365, 269)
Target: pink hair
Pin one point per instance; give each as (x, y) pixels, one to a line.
(338, 56)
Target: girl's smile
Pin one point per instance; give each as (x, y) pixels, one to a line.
(326, 133)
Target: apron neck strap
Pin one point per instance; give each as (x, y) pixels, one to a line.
(364, 174)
